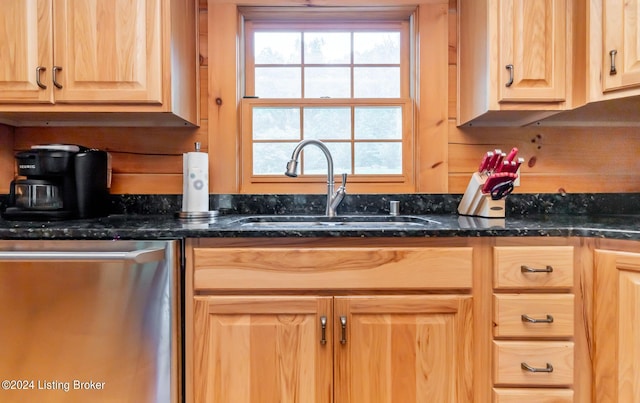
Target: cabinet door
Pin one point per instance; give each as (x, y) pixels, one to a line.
(617, 326)
(403, 349)
(621, 52)
(262, 349)
(25, 45)
(532, 38)
(108, 51)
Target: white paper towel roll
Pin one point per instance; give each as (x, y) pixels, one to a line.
(195, 182)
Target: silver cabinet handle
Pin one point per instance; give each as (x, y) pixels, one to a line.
(529, 368)
(323, 327)
(613, 71)
(39, 71)
(55, 80)
(137, 256)
(343, 325)
(527, 318)
(527, 269)
(510, 68)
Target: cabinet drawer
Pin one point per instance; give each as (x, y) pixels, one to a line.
(509, 356)
(533, 267)
(532, 395)
(332, 268)
(553, 313)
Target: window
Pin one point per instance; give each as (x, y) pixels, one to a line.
(344, 82)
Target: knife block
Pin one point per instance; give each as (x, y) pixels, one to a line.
(477, 204)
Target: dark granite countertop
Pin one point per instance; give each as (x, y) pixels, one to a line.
(152, 217)
(166, 226)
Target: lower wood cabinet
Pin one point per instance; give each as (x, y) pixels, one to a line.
(393, 348)
(386, 320)
(617, 326)
(300, 323)
(263, 349)
(533, 327)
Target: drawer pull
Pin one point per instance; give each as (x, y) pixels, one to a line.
(527, 269)
(323, 327)
(527, 318)
(529, 368)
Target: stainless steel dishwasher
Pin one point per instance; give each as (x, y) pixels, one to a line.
(90, 321)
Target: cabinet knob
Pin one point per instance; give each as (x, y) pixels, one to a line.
(343, 325)
(323, 330)
(613, 71)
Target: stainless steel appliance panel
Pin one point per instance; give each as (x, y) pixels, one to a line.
(89, 321)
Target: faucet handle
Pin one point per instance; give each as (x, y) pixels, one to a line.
(344, 179)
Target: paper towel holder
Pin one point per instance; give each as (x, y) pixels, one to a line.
(197, 215)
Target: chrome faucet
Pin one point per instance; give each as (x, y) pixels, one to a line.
(333, 199)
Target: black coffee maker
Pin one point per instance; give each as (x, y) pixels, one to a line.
(59, 182)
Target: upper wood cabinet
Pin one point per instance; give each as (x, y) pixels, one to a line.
(25, 42)
(532, 51)
(513, 60)
(606, 74)
(78, 61)
(621, 45)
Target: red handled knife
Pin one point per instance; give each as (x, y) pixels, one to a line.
(484, 164)
(512, 154)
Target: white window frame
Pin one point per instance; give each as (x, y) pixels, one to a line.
(258, 18)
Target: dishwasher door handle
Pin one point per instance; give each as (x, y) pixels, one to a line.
(137, 256)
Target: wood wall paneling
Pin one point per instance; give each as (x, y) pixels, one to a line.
(148, 160)
(432, 96)
(7, 166)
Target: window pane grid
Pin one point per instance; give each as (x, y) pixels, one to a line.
(327, 68)
(344, 70)
(351, 154)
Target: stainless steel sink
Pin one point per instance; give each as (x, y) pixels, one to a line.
(345, 221)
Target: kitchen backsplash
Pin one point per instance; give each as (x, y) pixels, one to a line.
(516, 204)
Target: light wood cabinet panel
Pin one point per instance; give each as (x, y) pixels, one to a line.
(333, 268)
(621, 45)
(108, 51)
(617, 329)
(556, 357)
(547, 315)
(533, 267)
(532, 40)
(531, 395)
(25, 45)
(404, 349)
(514, 61)
(262, 349)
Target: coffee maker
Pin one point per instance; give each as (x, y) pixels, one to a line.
(59, 182)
